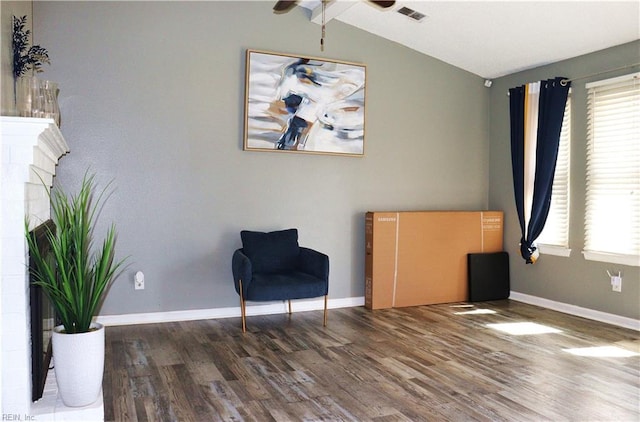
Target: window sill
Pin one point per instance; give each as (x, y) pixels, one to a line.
(554, 250)
(631, 260)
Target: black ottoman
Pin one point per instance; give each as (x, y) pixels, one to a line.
(488, 276)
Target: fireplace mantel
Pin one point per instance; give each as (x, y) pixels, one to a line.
(29, 152)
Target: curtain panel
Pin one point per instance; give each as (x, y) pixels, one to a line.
(536, 110)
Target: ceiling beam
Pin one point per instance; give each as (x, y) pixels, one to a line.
(333, 9)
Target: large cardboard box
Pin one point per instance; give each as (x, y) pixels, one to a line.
(420, 257)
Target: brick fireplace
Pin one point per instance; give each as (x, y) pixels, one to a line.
(29, 152)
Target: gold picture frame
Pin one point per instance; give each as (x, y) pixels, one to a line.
(304, 104)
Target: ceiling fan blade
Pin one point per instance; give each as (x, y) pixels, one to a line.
(383, 3)
(283, 6)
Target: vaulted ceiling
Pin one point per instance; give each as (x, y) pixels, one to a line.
(493, 38)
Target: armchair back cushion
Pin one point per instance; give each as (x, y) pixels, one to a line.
(271, 252)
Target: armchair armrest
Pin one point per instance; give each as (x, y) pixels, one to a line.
(242, 270)
(314, 263)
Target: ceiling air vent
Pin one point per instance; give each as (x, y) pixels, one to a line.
(413, 14)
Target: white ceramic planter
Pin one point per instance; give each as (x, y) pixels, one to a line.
(79, 364)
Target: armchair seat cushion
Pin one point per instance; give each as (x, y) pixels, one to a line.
(290, 285)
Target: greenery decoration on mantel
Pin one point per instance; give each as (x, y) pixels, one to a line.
(25, 59)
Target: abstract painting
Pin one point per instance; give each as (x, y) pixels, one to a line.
(303, 104)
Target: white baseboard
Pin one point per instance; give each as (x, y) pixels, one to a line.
(566, 308)
(232, 312)
(318, 304)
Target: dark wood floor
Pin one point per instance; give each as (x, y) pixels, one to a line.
(409, 364)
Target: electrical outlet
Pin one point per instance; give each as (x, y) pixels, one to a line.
(616, 283)
(138, 281)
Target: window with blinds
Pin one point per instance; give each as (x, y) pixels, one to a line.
(612, 218)
(554, 239)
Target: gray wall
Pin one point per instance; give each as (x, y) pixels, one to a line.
(152, 96)
(571, 280)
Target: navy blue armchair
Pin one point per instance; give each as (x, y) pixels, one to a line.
(272, 266)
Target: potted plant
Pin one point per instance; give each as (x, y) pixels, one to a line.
(76, 276)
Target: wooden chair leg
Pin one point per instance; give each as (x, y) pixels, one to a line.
(242, 309)
(289, 306)
(324, 323)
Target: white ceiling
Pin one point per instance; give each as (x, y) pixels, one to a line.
(494, 38)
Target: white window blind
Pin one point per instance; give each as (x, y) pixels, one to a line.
(612, 219)
(554, 238)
